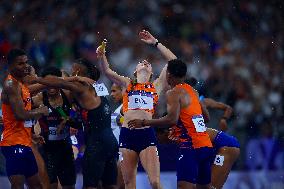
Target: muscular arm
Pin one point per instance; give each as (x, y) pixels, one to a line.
(52, 81)
(36, 88)
(205, 112)
(13, 91)
(210, 103)
(173, 111)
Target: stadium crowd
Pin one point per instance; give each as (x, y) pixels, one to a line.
(234, 49)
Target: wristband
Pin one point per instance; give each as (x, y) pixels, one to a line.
(156, 44)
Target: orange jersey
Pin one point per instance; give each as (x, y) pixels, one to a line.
(15, 131)
(191, 129)
(141, 96)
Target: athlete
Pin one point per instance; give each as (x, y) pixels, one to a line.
(100, 157)
(116, 122)
(16, 139)
(226, 147)
(140, 97)
(185, 112)
(57, 149)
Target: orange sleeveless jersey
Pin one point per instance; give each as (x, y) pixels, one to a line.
(141, 96)
(15, 131)
(191, 129)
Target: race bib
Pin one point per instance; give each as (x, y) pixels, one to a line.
(219, 160)
(74, 140)
(140, 102)
(101, 89)
(28, 124)
(52, 135)
(199, 124)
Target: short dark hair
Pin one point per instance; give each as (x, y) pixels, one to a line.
(191, 81)
(51, 71)
(13, 54)
(93, 72)
(177, 68)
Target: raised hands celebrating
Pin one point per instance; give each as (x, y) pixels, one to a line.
(147, 37)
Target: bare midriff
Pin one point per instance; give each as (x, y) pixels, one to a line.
(136, 114)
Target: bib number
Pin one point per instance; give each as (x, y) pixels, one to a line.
(219, 160)
(101, 89)
(52, 134)
(199, 124)
(140, 102)
(28, 124)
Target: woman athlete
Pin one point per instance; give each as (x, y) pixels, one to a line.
(139, 99)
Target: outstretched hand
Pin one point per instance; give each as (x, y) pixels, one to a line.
(147, 37)
(135, 123)
(101, 50)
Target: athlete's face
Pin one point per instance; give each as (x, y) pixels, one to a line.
(116, 93)
(20, 66)
(144, 65)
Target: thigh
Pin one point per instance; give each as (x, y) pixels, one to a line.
(17, 181)
(110, 173)
(66, 167)
(93, 168)
(150, 161)
(204, 166)
(128, 164)
(187, 166)
(224, 160)
(33, 182)
(50, 160)
(41, 168)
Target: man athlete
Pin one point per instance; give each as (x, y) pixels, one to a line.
(57, 149)
(185, 112)
(100, 157)
(16, 139)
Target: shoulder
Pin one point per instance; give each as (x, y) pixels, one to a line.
(11, 85)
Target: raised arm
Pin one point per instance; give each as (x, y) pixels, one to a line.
(13, 92)
(160, 83)
(112, 75)
(173, 111)
(148, 38)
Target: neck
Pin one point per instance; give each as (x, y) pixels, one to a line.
(20, 79)
(176, 82)
(54, 97)
(143, 77)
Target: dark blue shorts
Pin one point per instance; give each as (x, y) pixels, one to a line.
(20, 160)
(223, 139)
(194, 165)
(137, 139)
